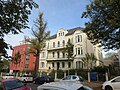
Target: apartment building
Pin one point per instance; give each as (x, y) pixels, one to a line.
(27, 60)
(54, 57)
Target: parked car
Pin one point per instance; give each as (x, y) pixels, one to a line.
(63, 85)
(26, 78)
(13, 84)
(72, 78)
(113, 84)
(43, 79)
(6, 76)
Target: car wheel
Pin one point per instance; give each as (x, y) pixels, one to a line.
(108, 88)
(45, 82)
(24, 80)
(34, 82)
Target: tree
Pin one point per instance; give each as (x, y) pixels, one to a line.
(16, 58)
(110, 56)
(104, 23)
(4, 64)
(88, 60)
(69, 51)
(13, 18)
(38, 42)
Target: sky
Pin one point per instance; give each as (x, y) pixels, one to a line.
(57, 13)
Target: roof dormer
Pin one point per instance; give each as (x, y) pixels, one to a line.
(62, 32)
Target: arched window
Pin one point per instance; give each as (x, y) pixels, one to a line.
(42, 64)
(58, 55)
(53, 54)
(63, 43)
(53, 44)
(58, 43)
(69, 64)
(78, 38)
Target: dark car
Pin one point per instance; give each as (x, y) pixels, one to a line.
(13, 84)
(43, 79)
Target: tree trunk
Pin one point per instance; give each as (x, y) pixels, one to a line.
(36, 65)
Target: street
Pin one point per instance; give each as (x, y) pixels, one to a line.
(33, 86)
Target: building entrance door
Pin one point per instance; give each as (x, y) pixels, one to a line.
(58, 65)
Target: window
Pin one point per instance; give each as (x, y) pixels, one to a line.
(81, 50)
(63, 55)
(67, 78)
(63, 43)
(79, 64)
(69, 64)
(53, 44)
(13, 84)
(42, 64)
(63, 64)
(116, 80)
(58, 55)
(59, 34)
(74, 77)
(43, 55)
(53, 54)
(78, 51)
(48, 45)
(78, 38)
(27, 57)
(26, 65)
(63, 33)
(58, 44)
(53, 65)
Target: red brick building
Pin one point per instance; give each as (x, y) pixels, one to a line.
(27, 61)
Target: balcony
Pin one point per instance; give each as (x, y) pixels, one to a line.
(58, 59)
(55, 48)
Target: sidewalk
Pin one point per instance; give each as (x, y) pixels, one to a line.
(94, 85)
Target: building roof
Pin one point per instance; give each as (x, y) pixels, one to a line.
(53, 36)
(70, 32)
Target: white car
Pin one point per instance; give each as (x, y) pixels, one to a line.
(113, 84)
(26, 78)
(63, 85)
(6, 76)
(72, 78)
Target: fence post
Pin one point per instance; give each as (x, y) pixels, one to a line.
(106, 76)
(55, 75)
(88, 76)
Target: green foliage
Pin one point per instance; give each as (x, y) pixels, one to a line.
(14, 15)
(52, 74)
(40, 35)
(3, 47)
(60, 74)
(100, 69)
(4, 65)
(17, 58)
(69, 50)
(13, 18)
(104, 23)
(110, 56)
(89, 59)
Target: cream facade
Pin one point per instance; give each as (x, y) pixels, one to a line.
(54, 57)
